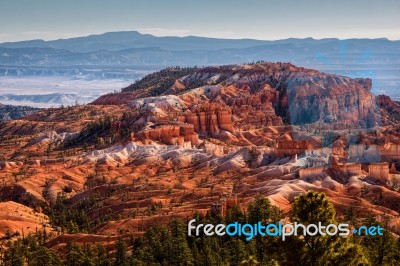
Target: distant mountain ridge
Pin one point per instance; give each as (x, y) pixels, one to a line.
(114, 41)
(115, 54)
(132, 48)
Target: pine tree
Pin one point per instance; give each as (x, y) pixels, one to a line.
(179, 248)
(260, 210)
(235, 214)
(120, 254)
(101, 258)
(88, 259)
(380, 250)
(75, 255)
(41, 256)
(311, 208)
(249, 261)
(14, 255)
(142, 251)
(237, 251)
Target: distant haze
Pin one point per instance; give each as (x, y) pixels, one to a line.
(49, 73)
(256, 19)
(358, 38)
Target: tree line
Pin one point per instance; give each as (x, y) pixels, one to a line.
(171, 245)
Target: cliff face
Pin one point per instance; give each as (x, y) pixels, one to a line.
(222, 131)
(330, 99)
(209, 119)
(183, 135)
(266, 93)
(390, 110)
(236, 98)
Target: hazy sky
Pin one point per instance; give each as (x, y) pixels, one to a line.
(258, 19)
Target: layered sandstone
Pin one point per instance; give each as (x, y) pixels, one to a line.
(182, 135)
(298, 95)
(217, 137)
(379, 171)
(288, 146)
(115, 99)
(209, 119)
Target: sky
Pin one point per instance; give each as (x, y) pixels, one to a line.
(234, 19)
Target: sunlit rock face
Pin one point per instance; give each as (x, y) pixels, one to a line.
(331, 98)
(236, 97)
(215, 134)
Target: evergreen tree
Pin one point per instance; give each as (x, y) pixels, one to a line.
(142, 252)
(42, 256)
(234, 214)
(101, 256)
(260, 210)
(179, 249)
(380, 250)
(120, 254)
(14, 256)
(291, 252)
(237, 251)
(88, 259)
(311, 208)
(249, 261)
(75, 255)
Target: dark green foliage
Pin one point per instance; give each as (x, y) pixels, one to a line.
(234, 214)
(76, 256)
(237, 251)
(105, 131)
(14, 256)
(8, 112)
(383, 250)
(101, 256)
(93, 131)
(29, 250)
(164, 246)
(71, 220)
(170, 245)
(120, 254)
(261, 210)
(160, 81)
(43, 257)
(311, 208)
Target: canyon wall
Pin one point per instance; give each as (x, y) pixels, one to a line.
(182, 135)
(379, 171)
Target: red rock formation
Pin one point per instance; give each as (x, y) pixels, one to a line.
(348, 168)
(379, 171)
(300, 95)
(286, 145)
(114, 99)
(209, 119)
(390, 110)
(339, 148)
(238, 111)
(170, 135)
(225, 120)
(313, 171)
